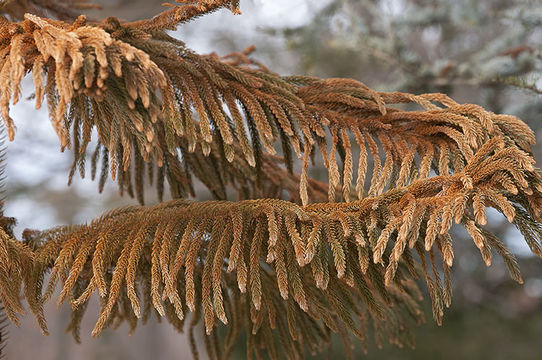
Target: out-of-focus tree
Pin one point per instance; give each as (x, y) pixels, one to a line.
(466, 48)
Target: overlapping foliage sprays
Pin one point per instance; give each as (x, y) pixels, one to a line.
(291, 260)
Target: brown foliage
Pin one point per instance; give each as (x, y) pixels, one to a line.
(290, 272)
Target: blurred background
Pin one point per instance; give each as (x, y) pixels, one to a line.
(483, 52)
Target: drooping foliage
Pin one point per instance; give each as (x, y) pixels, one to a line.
(15, 261)
(292, 260)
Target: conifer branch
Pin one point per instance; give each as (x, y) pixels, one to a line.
(15, 259)
(335, 266)
(153, 100)
(180, 14)
(288, 272)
